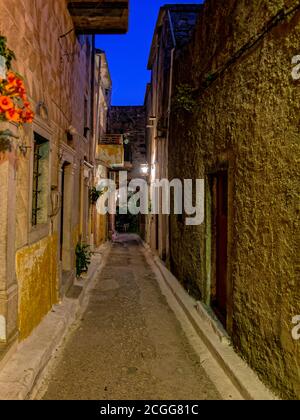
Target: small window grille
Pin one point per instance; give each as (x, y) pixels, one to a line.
(40, 178)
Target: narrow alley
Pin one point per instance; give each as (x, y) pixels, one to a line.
(128, 345)
(149, 200)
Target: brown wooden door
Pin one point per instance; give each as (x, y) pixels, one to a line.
(157, 232)
(221, 226)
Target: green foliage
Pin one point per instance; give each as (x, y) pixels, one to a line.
(83, 258)
(208, 79)
(183, 99)
(6, 52)
(96, 194)
(5, 140)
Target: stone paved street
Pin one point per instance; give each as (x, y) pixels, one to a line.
(128, 344)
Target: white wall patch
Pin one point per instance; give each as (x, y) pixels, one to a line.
(2, 328)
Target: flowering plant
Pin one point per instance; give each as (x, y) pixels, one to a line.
(7, 54)
(14, 105)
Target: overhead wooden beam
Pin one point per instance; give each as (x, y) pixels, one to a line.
(102, 17)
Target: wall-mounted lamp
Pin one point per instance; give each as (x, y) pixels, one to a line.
(71, 130)
(42, 110)
(24, 148)
(126, 140)
(145, 169)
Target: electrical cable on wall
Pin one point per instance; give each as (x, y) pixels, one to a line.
(273, 22)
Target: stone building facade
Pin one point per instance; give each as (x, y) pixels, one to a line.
(174, 29)
(103, 102)
(130, 122)
(45, 179)
(242, 137)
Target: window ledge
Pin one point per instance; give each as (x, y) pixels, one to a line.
(37, 233)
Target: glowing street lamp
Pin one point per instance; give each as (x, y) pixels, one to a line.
(145, 169)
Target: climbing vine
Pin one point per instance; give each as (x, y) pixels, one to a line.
(183, 99)
(95, 194)
(7, 54)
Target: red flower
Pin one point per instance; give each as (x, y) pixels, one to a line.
(14, 87)
(5, 103)
(12, 115)
(11, 77)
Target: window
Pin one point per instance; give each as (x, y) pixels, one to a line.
(40, 184)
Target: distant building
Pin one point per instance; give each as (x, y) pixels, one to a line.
(174, 30)
(103, 89)
(130, 121)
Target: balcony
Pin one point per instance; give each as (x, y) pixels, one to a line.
(111, 139)
(99, 17)
(110, 151)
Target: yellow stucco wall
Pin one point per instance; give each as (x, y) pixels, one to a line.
(76, 235)
(36, 268)
(101, 229)
(111, 154)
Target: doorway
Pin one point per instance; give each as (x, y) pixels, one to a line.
(156, 232)
(65, 222)
(219, 292)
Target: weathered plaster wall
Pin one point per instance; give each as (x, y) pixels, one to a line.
(101, 229)
(36, 268)
(56, 66)
(130, 120)
(248, 120)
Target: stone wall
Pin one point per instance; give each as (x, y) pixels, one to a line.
(247, 120)
(37, 285)
(131, 121)
(56, 66)
(174, 28)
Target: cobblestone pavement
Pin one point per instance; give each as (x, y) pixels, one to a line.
(128, 344)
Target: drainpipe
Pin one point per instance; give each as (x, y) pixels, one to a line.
(92, 125)
(168, 228)
(98, 100)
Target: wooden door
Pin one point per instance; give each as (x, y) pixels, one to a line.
(221, 243)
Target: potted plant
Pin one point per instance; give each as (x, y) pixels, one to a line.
(83, 258)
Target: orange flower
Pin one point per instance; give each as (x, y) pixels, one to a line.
(12, 80)
(11, 77)
(11, 88)
(22, 93)
(5, 103)
(12, 115)
(27, 116)
(20, 84)
(15, 85)
(15, 88)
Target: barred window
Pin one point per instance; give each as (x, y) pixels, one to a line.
(40, 183)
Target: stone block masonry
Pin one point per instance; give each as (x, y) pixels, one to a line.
(131, 121)
(56, 64)
(245, 123)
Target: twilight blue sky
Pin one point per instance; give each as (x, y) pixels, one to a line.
(128, 54)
